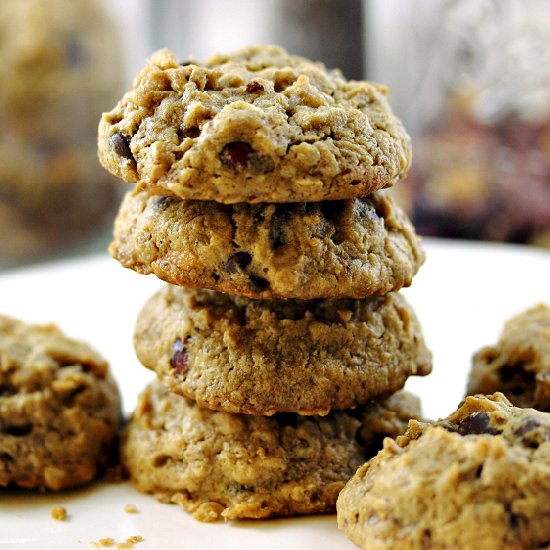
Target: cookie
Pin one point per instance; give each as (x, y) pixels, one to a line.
(217, 464)
(59, 408)
(265, 356)
(259, 125)
(519, 364)
(477, 479)
(61, 67)
(350, 248)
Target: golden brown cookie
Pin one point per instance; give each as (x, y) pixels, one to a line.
(217, 464)
(519, 364)
(59, 408)
(266, 356)
(332, 249)
(478, 479)
(258, 125)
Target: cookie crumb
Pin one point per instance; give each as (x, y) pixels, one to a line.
(129, 542)
(59, 513)
(131, 509)
(102, 543)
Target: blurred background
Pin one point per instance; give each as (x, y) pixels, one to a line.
(469, 78)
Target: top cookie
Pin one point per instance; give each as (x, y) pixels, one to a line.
(259, 125)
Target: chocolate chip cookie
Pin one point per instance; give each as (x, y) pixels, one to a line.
(519, 364)
(59, 408)
(217, 464)
(477, 479)
(332, 249)
(259, 125)
(266, 356)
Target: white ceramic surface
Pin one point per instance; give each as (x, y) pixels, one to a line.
(462, 295)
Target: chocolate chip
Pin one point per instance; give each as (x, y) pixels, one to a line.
(164, 202)
(180, 360)
(254, 87)
(18, 430)
(5, 457)
(257, 284)
(527, 426)
(281, 216)
(476, 423)
(192, 132)
(7, 389)
(121, 145)
(238, 261)
(236, 155)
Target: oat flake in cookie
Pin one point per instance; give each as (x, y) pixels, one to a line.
(267, 356)
(259, 125)
(217, 464)
(519, 364)
(59, 408)
(333, 249)
(478, 479)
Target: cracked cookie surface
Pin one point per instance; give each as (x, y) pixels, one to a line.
(258, 125)
(519, 364)
(479, 478)
(266, 356)
(59, 408)
(350, 248)
(217, 464)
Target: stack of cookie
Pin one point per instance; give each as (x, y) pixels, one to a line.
(280, 341)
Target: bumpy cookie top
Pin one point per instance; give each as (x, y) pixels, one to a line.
(59, 408)
(31, 355)
(477, 479)
(257, 125)
(519, 364)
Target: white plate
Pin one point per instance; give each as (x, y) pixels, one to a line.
(462, 295)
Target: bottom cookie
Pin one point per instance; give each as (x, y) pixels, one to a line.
(478, 479)
(217, 464)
